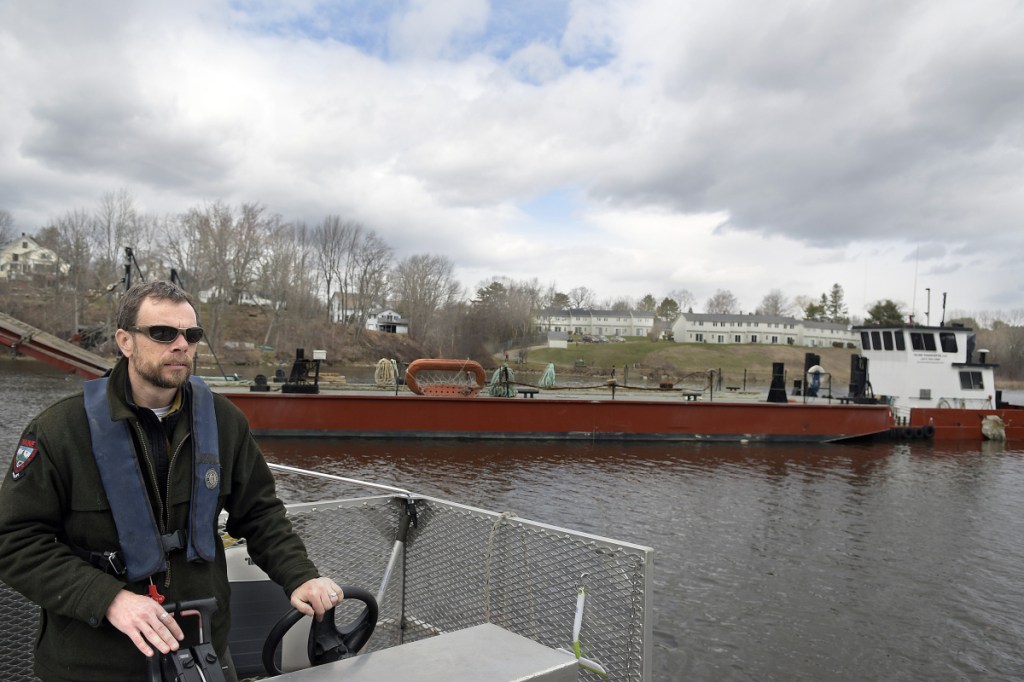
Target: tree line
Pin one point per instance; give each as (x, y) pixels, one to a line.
(342, 270)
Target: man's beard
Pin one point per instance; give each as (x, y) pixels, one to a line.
(151, 373)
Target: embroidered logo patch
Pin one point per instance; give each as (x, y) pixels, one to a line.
(26, 453)
(211, 479)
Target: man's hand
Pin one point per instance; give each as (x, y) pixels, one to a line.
(145, 622)
(317, 597)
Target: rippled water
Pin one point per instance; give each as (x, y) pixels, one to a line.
(840, 562)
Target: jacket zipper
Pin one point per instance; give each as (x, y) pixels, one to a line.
(164, 510)
(167, 511)
(151, 467)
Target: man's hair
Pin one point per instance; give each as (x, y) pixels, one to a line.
(128, 308)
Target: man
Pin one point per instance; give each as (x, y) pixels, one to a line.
(112, 500)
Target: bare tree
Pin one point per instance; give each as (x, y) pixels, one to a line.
(251, 231)
(333, 240)
(218, 255)
(116, 225)
(181, 240)
(217, 249)
(282, 279)
(72, 236)
(581, 297)
(547, 299)
(775, 304)
(802, 302)
(722, 302)
(302, 294)
(7, 232)
(524, 302)
(685, 299)
(303, 297)
(367, 275)
(423, 286)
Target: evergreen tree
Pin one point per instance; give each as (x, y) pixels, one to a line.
(835, 307)
(668, 310)
(647, 304)
(886, 312)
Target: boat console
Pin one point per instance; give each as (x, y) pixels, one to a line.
(481, 652)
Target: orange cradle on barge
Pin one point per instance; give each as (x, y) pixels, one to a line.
(457, 378)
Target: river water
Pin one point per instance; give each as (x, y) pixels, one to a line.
(895, 561)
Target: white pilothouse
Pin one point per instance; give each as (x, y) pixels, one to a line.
(922, 367)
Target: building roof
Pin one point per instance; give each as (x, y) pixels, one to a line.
(735, 318)
(590, 312)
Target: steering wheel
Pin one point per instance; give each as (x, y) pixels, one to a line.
(326, 641)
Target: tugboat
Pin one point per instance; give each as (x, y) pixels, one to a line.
(936, 381)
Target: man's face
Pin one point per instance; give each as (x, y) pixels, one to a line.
(152, 364)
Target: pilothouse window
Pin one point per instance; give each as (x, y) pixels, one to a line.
(922, 341)
(971, 380)
(948, 341)
(887, 340)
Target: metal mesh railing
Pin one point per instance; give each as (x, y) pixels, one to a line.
(467, 566)
(351, 541)
(19, 619)
(460, 567)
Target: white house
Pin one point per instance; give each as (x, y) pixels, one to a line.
(24, 258)
(386, 321)
(762, 329)
(594, 322)
(344, 309)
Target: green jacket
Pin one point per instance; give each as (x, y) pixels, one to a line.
(58, 498)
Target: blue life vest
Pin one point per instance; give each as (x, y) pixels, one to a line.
(142, 546)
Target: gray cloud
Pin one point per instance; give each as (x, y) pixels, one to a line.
(847, 137)
(106, 133)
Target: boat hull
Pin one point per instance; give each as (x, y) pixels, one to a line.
(967, 424)
(369, 416)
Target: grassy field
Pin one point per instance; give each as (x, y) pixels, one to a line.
(675, 362)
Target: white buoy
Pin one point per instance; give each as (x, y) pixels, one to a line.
(992, 427)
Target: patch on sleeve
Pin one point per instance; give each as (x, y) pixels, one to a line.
(27, 451)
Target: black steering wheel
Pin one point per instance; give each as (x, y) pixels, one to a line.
(326, 641)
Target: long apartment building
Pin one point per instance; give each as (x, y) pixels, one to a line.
(766, 329)
(595, 322)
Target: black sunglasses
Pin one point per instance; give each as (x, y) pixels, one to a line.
(162, 333)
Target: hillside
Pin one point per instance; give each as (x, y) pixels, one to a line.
(244, 336)
(676, 362)
(243, 341)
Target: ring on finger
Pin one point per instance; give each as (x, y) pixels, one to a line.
(332, 595)
(163, 616)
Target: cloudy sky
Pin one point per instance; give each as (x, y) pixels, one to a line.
(630, 147)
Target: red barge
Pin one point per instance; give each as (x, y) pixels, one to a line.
(411, 416)
(923, 383)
